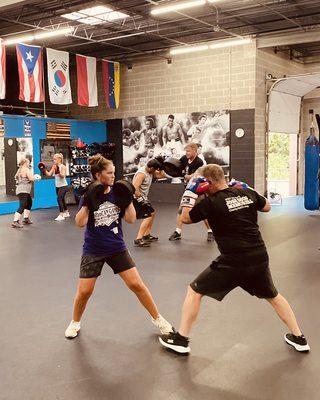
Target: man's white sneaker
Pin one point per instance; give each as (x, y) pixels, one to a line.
(72, 330)
(66, 214)
(164, 326)
(59, 218)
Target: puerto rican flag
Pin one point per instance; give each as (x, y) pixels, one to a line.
(30, 68)
(87, 81)
(2, 70)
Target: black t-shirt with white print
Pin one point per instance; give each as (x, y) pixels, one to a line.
(190, 168)
(232, 215)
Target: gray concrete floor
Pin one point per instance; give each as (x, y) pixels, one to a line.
(238, 352)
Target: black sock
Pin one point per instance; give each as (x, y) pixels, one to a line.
(184, 337)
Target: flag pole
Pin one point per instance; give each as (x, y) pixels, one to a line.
(44, 86)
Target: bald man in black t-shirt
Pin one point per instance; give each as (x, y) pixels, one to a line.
(244, 262)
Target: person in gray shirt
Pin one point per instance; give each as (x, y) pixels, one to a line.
(24, 178)
(142, 181)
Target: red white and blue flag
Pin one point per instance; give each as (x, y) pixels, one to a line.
(58, 77)
(87, 81)
(30, 68)
(2, 70)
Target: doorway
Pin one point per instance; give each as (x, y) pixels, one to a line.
(282, 164)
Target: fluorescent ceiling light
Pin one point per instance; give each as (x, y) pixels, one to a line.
(38, 35)
(20, 39)
(177, 6)
(229, 42)
(215, 45)
(188, 49)
(123, 36)
(95, 15)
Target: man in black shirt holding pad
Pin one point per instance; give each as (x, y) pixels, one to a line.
(190, 163)
(232, 215)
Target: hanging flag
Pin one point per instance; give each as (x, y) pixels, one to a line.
(58, 77)
(111, 83)
(30, 68)
(2, 70)
(87, 81)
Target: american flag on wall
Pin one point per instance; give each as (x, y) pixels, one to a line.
(58, 130)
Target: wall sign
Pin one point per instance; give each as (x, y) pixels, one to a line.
(1, 127)
(27, 127)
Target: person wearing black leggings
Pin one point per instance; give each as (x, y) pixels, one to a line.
(59, 171)
(24, 178)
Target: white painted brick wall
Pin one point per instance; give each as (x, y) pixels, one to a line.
(222, 79)
(267, 63)
(212, 80)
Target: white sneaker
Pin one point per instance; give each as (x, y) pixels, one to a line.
(164, 326)
(59, 218)
(72, 330)
(66, 214)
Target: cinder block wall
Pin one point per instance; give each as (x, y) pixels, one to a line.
(221, 79)
(278, 65)
(233, 78)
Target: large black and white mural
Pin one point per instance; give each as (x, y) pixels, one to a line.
(149, 136)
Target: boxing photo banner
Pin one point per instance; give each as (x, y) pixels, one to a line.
(58, 77)
(166, 135)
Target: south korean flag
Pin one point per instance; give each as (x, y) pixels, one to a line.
(58, 77)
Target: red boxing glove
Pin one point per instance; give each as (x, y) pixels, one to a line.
(198, 185)
(42, 168)
(56, 170)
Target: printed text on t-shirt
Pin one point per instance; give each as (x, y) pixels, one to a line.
(106, 215)
(238, 203)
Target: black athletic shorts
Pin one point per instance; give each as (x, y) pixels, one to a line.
(91, 266)
(218, 280)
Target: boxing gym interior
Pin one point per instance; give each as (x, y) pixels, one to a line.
(123, 127)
